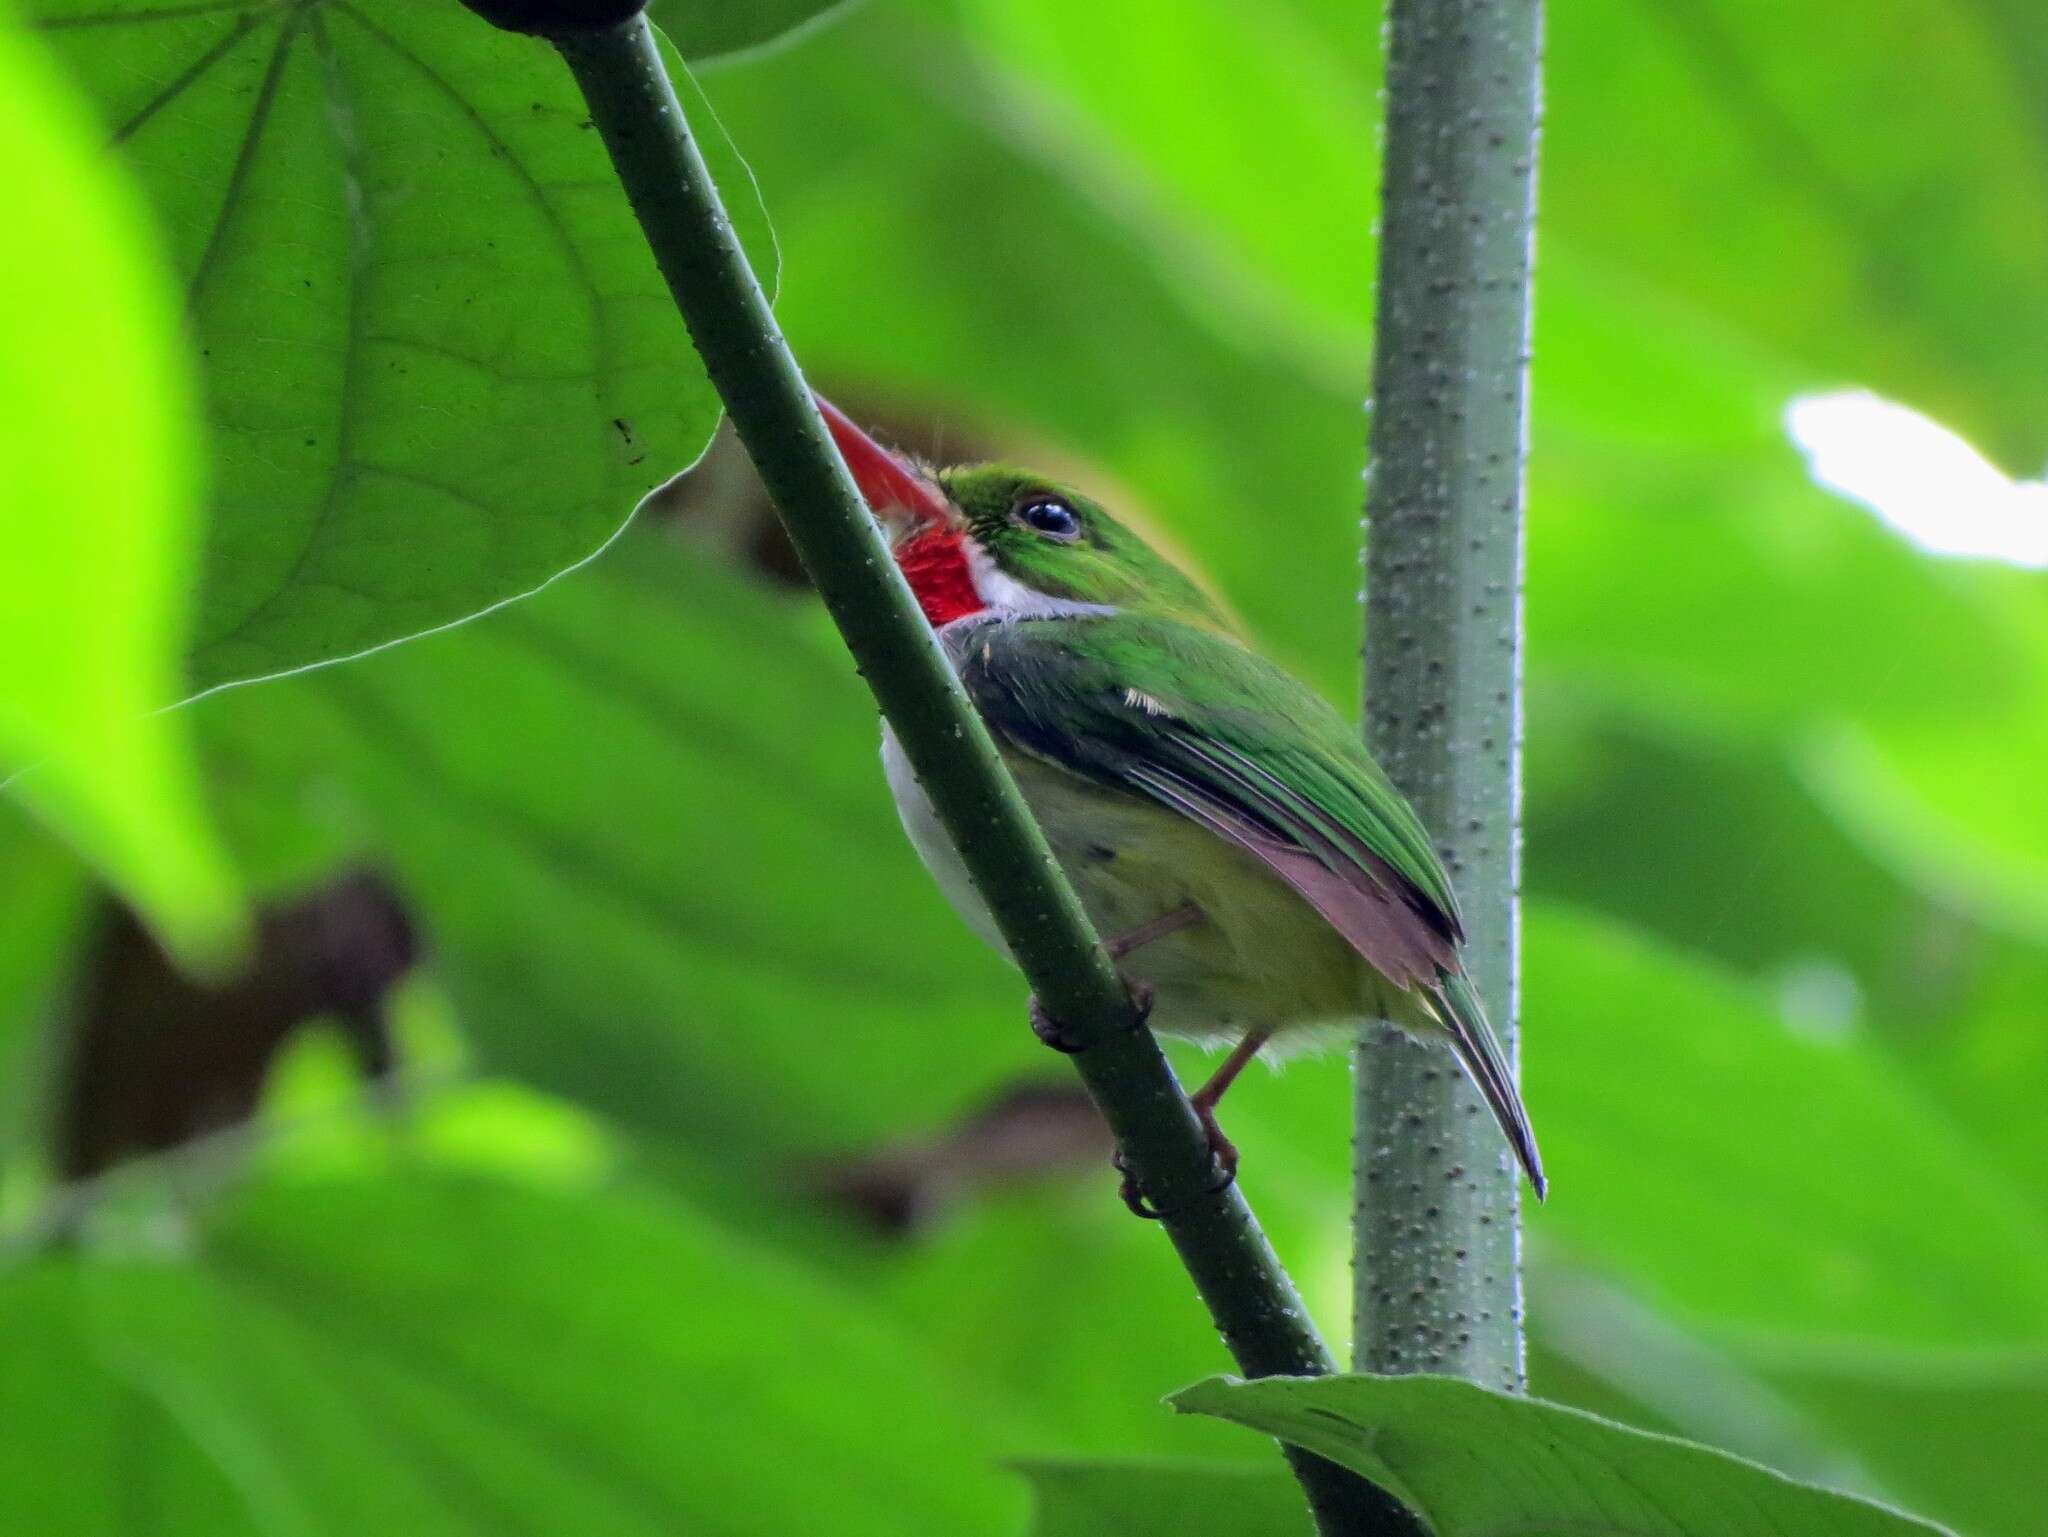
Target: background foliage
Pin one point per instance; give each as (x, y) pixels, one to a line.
(583, 1268)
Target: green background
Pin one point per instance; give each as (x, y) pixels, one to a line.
(1787, 851)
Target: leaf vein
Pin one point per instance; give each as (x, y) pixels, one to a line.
(244, 26)
(167, 13)
(344, 432)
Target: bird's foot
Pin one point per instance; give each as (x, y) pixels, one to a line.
(1050, 1031)
(1133, 1198)
(1222, 1151)
(1221, 1148)
(1142, 998)
(1056, 1035)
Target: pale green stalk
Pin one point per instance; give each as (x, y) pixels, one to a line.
(1437, 1225)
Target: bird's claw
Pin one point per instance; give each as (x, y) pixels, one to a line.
(1142, 998)
(1133, 1197)
(1054, 1034)
(1221, 1148)
(1050, 1031)
(1222, 1151)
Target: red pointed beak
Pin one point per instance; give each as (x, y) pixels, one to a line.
(901, 499)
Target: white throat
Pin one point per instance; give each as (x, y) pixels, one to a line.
(1010, 599)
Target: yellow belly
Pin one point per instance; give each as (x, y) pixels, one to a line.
(1262, 958)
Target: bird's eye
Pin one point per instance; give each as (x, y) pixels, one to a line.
(1049, 516)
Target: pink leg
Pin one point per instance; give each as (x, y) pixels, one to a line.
(1206, 1098)
(1145, 933)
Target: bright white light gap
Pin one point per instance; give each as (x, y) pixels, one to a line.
(1919, 477)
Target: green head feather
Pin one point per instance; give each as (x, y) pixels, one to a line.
(1053, 540)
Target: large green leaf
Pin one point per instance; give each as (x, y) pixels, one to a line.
(435, 1353)
(1123, 1499)
(1779, 1186)
(96, 516)
(440, 364)
(1987, 1059)
(994, 1291)
(1475, 1463)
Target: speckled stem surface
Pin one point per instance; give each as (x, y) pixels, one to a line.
(1234, 1269)
(1437, 1274)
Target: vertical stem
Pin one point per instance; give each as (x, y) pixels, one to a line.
(1437, 1228)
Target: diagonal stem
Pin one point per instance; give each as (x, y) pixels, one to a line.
(1249, 1295)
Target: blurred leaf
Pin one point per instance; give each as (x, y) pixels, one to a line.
(705, 30)
(1956, 807)
(151, 1061)
(1675, 1106)
(1936, 1436)
(1111, 1499)
(995, 1295)
(441, 365)
(1594, 1346)
(644, 826)
(92, 1451)
(1945, 1440)
(1616, 813)
(1758, 161)
(437, 1354)
(96, 527)
(1745, 600)
(45, 901)
(1687, 154)
(1986, 1057)
(1475, 1462)
(1147, 101)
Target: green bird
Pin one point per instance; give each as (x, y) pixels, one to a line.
(1210, 810)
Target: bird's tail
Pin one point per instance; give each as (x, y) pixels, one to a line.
(1458, 1009)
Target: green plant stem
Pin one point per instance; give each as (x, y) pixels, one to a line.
(1250, 1297)
(1437, 1224)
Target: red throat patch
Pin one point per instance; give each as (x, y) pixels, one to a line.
(935, 564)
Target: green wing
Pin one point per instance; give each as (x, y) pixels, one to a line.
(1195, 721)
